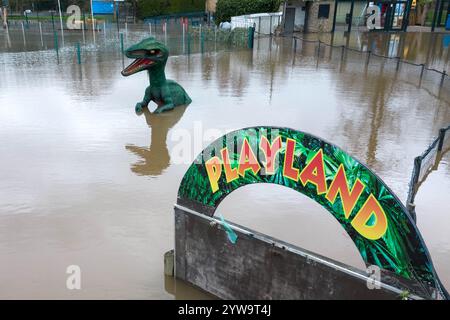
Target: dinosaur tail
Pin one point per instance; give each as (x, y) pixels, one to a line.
(187, 99)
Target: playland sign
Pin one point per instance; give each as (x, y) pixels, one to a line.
(304, 168)
(370, 213)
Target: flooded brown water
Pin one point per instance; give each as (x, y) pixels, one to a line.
(85, 181)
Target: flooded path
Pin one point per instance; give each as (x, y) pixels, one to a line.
(86, 181)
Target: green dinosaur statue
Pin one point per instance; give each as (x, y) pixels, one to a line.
(152, 55)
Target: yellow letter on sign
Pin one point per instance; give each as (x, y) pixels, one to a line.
(370, 208)
(214, 170)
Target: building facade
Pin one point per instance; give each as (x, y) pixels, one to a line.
(308, 16)
(326, 15)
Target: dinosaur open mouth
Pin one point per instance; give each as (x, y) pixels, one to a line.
(137, 65)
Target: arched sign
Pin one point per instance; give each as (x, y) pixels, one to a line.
(371, 214)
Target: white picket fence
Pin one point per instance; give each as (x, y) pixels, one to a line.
(265, 23)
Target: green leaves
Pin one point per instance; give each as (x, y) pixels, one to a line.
(151, 8)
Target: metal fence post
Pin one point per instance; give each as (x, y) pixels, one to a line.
(270, 31)
(23, 34)
(418, 164)
(412, 187)
(188, 43)
(368, 57)
(78, 53)
(55, 41)
(82, 31)
(40, 32)
(202, 40)
(422, 70)
(215, 35)
(259, 25)
(441, 139)
(121, 43)
(165, 32)
(251, 32)
(415, 177)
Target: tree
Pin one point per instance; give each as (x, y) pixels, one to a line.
(149, 8)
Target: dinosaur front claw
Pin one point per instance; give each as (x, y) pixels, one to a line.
(139, 108)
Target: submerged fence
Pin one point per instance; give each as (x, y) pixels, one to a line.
(181, 34)
(421, 69)
(426, 163)
(184, 29)
(435, 82)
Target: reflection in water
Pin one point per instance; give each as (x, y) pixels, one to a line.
(428, 48)
(377, 109)
(155, 158)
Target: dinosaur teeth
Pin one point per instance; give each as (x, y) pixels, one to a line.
(136, 66)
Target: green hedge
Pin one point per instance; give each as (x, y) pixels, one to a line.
(151, 8)
(228, 8)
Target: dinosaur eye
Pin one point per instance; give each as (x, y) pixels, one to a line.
(152, 51)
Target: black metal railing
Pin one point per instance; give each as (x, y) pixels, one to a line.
(425, 163)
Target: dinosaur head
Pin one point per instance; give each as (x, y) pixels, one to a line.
(148, 54)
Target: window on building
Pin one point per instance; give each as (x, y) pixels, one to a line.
(324, 11)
